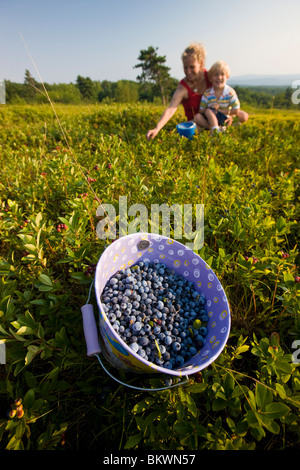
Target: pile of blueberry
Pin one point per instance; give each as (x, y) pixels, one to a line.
(158, 313)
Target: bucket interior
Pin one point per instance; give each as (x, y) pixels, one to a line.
(148, 247)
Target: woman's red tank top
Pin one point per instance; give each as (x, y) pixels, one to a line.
(192, 103)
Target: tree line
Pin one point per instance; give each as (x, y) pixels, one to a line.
(153, 85)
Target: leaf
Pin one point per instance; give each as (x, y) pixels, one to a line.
(44, 279)
(267, 422)
(30, 247)
(32, 351)
(38, 219)
(192, 407)
(281, 391)
(263, 396)
(276, 410)
(242, 349)
(29, 398)
(197, 388)
(280, 224)
(133, 441)
(219, 404)
(228, 385)
(182, 427)
(65, 221)
(25, 330)
(15, 444)
(143, 405)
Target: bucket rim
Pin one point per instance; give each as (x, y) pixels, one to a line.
(186, 369)
(186, 126)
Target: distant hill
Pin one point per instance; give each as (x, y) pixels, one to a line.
(264, 80)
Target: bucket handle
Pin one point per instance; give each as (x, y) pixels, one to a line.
(139, 388)
(93, 347)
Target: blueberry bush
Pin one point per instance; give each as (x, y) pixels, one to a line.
(55, 173)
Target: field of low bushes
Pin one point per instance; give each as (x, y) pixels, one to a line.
(55, 172)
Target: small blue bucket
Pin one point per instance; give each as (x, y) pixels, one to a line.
(186, 129)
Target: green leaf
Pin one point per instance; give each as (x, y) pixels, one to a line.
(44, 279)
(219, 404)
(277, 410)
(182, 427)
(263, 396)
(25, 330)
(197, 388)
(29, 398)
(192, 407)
(281, 390)
(280, 224)
(15, 444)
(32, 351)
(133, 441)
(228, 385)
(267, 422)
(143, 405)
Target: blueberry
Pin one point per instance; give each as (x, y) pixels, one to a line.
(168, 365)
(176, 346)
(112, 317)
(204, 318)
(137, 326)
(143, 341)
(134, 347)
(159, 361)
(179, 360)
(166, 356)
(168, 340)
(203, 331)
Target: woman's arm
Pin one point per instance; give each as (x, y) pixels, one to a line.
(176, 100)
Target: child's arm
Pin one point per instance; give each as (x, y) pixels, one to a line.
(203, 105)
(234, 104)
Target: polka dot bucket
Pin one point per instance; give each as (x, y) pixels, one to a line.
(147, 247)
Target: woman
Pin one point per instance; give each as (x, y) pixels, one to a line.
(190, 90)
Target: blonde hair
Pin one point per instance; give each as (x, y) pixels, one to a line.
(217, 66)
(195, 50)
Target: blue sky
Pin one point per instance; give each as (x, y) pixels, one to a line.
(102, 39)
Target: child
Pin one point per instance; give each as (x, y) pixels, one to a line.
(219, 102)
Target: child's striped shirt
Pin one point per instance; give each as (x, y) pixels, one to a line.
(228, 100)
